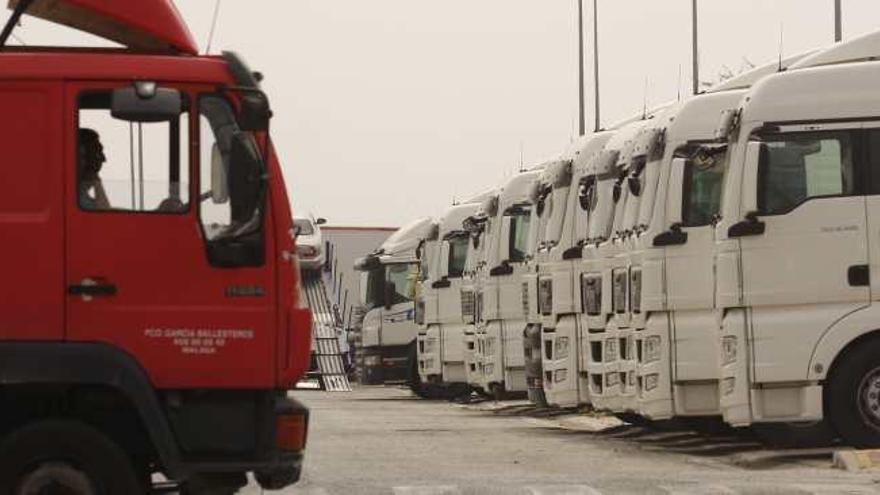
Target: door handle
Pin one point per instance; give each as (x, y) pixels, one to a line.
(89, 288)
(858, 276)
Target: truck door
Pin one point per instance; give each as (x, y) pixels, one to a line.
(805, 249)
(694, 200)
(160, 261)
(398, 318)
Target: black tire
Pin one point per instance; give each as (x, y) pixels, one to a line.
(852, 396)
(66, 452)
(634, 419)
(414, 380)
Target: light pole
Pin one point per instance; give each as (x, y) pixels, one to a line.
(582, 120)
(838, 23)
(596, 60)
(696, 52)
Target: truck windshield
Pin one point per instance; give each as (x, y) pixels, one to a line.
(372, 286)
(402, 279)
(303, 226)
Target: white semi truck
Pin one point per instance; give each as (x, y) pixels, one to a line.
(500, 322)
(388, 287)
(444, 259)
(797, 247)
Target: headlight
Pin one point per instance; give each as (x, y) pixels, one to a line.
(591, 294)
(728, 349)
(560, 375)
(428, 364)
(727, 385)
(306, 251)
(525, 299)
(651, 381)
(562, 348)
(610, 350)
(545, 296)
(618, 302)
(652, 348)
(635, 289)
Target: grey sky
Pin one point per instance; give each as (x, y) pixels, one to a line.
(387, 109)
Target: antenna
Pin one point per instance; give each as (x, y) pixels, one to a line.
(678, 87)
(213, 27)
(521, 161)
(696, 52)
(781, 38)
(645, 102)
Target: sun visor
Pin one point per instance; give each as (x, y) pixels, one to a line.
(149, 25)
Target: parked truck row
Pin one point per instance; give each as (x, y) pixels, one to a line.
(713, 257)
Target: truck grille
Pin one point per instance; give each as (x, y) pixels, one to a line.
(619, 280)
(525, 299)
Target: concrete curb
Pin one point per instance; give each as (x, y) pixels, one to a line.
(857, 460)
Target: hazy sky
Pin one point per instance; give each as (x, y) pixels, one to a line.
(388, 109)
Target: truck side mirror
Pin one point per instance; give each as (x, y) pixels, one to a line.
(255, 113)
(675, 193)
(443, 270)
(321, 221)
(750, 177)
(388, 294)
(246, 177)
(219, 183)
(145, 102)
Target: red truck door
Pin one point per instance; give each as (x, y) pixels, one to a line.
(139, 219)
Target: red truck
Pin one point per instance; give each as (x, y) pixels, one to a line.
(151, 319)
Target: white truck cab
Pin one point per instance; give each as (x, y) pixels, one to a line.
(387, 290)
(798, 248)
(441, 332)
(501, 323)
(558, 255)
(604, 361)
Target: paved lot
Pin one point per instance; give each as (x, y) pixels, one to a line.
(383, 441)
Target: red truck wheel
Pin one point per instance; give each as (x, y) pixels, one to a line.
(63, 455)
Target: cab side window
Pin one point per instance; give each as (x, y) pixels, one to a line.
(796, 167)
(458, 247)
(519, 235)
(130, 166)
(703, 181)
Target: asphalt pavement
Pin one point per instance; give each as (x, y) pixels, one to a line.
(378, 440)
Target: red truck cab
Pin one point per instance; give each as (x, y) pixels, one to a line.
(151, 310)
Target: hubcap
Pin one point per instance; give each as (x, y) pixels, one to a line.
(56, 478)
(869, 398)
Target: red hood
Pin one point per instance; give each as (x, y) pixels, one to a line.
(153, 25)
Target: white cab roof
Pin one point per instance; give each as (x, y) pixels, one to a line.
(407, 238)
(697, 119)
(859, 49)
(847, 91)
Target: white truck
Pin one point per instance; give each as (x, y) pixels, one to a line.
(387, 291)
(443, 258)
(558, 253)
(797, 247)
(500, 322)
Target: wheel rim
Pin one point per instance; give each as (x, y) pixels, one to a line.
(56, 478)
(869, 398)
